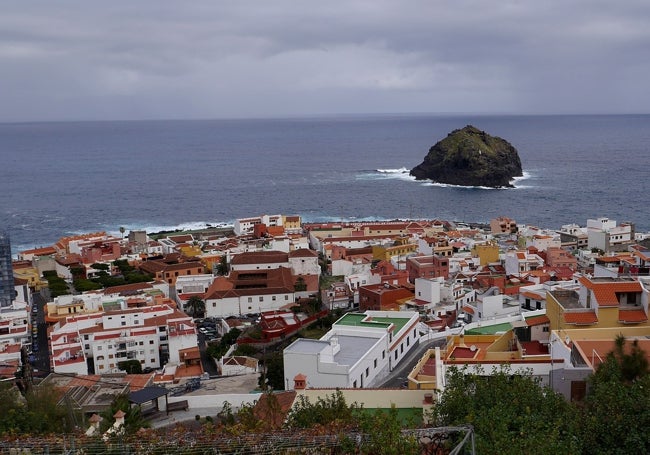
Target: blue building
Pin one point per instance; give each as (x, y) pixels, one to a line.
(7, 291)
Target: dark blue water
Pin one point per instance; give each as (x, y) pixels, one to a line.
(63, 178)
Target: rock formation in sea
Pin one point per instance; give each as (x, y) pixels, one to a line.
(470, 157)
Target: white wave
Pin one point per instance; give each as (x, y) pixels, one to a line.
(401, 170)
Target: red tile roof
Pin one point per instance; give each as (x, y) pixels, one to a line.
(605, 291)
(632, 316)
(581, 318)
(538, 320)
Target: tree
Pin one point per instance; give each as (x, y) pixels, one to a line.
(272, 375)
(616, 412)
(133, 419)
(300, 285)
(511, 414)
(130, 366)
(196, 306)
(222, 267)
(122, 231)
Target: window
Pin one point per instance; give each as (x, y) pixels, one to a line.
(383, 354)
(273, 298)
(99, 348)
(395, 355)
(545, 329)
(250, 300)
(141, 343)
(354, 384)
(261, 299)
(150, 341)
(375, 363)
(408, 341)
(367, 371)
(401, 348)
(123, 323)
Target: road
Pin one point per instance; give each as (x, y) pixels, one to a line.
(42, 357)
(397, 377)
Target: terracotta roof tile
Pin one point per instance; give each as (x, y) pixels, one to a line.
(581, 318)
(632, 316)
(537, 320)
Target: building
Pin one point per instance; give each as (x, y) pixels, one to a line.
(250, 291)
(153, 336)
(427, 267)
(503, 225)
(7, 292)
(382, 297)
(169, 269)
(559, 257)
(359, 350)
(482, 353)
(604, 234)
(578, 352)
(598, 302)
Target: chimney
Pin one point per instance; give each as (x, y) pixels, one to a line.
(119, 418)
(300, 382)
(427, 408)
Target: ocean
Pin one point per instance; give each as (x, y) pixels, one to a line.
(65, 178)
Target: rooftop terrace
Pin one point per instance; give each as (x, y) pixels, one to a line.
(363, 320)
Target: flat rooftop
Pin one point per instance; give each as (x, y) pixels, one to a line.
(363, 320)
(568, 299)
(490, 329)
(353, 349)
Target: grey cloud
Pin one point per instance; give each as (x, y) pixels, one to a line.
(79, 59)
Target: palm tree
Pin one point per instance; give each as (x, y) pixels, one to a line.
(122, 231)
(196, 306)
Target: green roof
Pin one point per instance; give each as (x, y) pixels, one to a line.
(490, 329)
(357, 319)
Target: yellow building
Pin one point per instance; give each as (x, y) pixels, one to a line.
(292, 223)
(481, 354)
(487, 253)
(400, 248)
(31, 275)
(598, 303)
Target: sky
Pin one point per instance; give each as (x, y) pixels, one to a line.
(145, 59)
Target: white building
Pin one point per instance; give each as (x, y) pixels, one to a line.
(304, 262)
(604, 234)
(518, 262)
(151, 335)
(359, 350)
(250, 291)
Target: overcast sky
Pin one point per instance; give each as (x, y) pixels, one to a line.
(141, 59)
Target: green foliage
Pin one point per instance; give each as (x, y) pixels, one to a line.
(83, 285)
(56, 284)
(218, 350)
(383, 434)
(100, 266)
(300, 285)
(511, 414)
(223, 267)
(130, 366)
(616, 413)
(245, 350)
(326, 411)
(196, 306)
(133, 420)
(123, 265)
(36, 413)
(272, 375)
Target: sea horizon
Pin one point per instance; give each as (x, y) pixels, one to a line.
(68, 177)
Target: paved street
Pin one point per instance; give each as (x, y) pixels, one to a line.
(397, 377)
(42, 357)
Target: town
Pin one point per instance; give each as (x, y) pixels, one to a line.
(184, 322)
